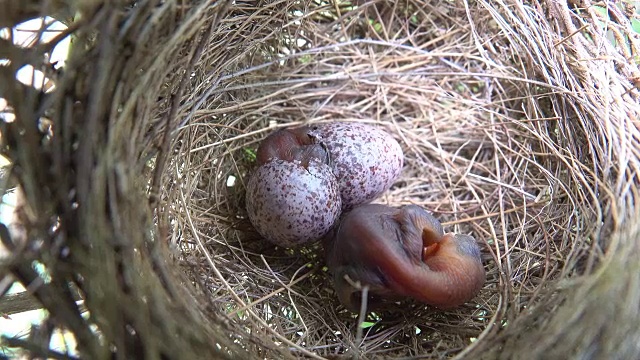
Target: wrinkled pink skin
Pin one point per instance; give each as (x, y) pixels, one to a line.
(401, 253)
(293, 145)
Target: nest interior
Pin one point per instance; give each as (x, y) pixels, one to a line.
(519, 125)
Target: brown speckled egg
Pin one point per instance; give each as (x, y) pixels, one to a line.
(366, 160)
(292, 205)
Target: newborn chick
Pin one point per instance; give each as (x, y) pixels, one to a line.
(401, 253)
(292, 145)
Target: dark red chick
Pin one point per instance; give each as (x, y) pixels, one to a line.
(401, 252)
(293, 145)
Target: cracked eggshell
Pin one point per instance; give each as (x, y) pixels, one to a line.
(291, 205)
(366, 160)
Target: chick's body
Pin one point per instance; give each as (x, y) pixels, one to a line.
(400, 253)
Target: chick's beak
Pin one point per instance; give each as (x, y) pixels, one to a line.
(430, 243)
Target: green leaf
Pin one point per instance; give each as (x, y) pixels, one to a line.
(305, 59)
(250, 153)
(635, 25)
(602, 11)
(366, 324)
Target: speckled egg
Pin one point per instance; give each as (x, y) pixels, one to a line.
(290, 204)
(366, 160)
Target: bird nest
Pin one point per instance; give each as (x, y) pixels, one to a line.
(519, 126)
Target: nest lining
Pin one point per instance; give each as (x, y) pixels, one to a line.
(518, 124)
(488, 145)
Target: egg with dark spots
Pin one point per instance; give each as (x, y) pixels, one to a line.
(290, 204)
(366, 160)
